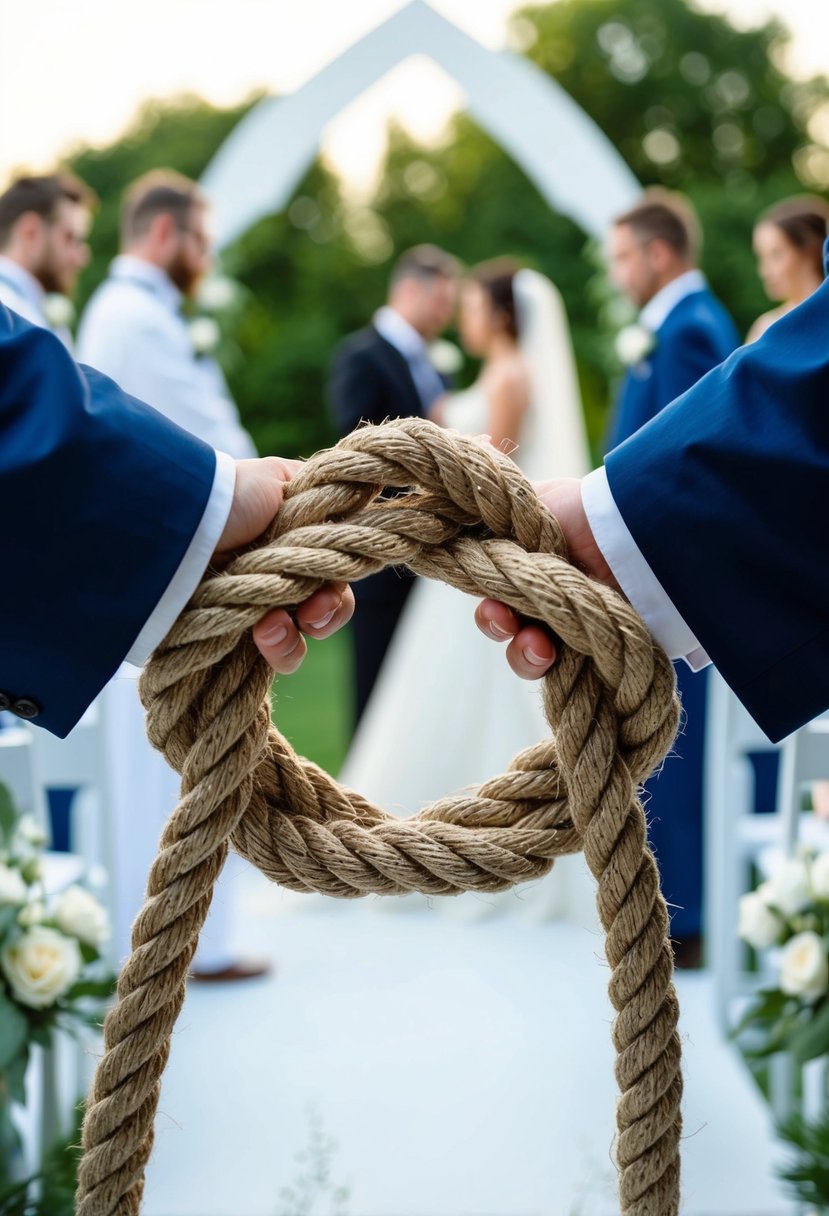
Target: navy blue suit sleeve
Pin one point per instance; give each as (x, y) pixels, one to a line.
(101, 496)
(725, 494)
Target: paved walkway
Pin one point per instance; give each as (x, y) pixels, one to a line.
(428, 1066)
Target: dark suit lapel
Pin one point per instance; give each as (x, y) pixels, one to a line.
(399, 369)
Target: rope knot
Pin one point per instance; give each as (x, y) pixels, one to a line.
(465, 514)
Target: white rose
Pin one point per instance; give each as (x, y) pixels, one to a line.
(820, 876)
(789, 888)
(758, 924)
(445, 357)
(204, 335)
(79, 913)
(12, 887)
(32, 914)
(217, 293)
(804, 971)
(41, 965)
(58, 310)
(633, 343)
(30, 831)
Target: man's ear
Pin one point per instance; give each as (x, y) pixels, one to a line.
(29, 228)
(163, 230)
(663, 256)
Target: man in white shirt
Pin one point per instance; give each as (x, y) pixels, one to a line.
(44, 226)
(134, 331)
(133, 328)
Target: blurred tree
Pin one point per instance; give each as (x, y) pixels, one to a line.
(690, 101)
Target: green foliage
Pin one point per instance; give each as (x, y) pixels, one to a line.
(312, 708)
(777, 1022)
(689, 100)
(313, 1191)
(50, 1192)
(14, 1031)
(8, 816)
(808, 1171)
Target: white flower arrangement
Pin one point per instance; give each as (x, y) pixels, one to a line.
(217, 293)
(205, 335)
(52, 973)
(633, 344)
(58, 310)
(445, 357)
(789, 916)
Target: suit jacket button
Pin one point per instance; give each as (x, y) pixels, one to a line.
(5, 701)
(25, 707)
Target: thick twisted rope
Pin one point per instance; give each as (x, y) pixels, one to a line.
(472, 520)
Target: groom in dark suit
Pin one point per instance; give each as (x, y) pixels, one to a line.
(383, 372)
(683, 332)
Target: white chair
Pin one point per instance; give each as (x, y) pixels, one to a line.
(733, 836)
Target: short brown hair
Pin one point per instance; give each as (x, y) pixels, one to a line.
(424, 262)
(42, 196)
(160, 192)
(803, 220)
(665, 216)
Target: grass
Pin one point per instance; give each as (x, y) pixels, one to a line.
(313, 708)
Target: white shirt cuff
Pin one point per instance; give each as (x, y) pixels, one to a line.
(634, 575)
(193, 564)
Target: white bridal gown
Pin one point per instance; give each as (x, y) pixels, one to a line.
(447, 712)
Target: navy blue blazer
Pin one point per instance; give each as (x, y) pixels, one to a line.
(101, 497)
(696, 335)
(726, 493)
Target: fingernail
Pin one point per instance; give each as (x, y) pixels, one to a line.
(535, 659)
(498, 632)
(276, 635)
(323, 621)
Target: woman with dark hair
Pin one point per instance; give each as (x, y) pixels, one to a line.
(444, 713)
(788, 243)
(489, 331)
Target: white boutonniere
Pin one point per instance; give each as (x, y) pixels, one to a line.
(445, 357)
(218, 293)
(58, 310)
(205, 335)
(633, 344)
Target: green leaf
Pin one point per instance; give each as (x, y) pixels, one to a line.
(769, 1005)
(14, 1075)
(14, 1031)
(8, 918)
(8, 815)
(41, 1033)
(101, 989)
(812, 1039)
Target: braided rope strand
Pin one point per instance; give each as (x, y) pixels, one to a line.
(470, 519)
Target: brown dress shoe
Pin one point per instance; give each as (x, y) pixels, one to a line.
(240, 970)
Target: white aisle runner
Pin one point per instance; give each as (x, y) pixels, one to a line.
(431, 1068)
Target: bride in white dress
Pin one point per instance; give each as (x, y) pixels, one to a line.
(446, 712)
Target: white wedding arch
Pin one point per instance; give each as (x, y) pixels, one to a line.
(570, 160)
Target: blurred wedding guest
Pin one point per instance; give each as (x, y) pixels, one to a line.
(133, 330)
(44, 225)
(788, 244)
(382, 372)
(683, 332)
